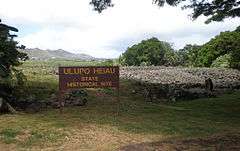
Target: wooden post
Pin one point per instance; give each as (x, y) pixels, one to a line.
(60, 94)
(60, 100)
(118, 89)
(118, 99)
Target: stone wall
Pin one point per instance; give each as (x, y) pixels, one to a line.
(179, 82)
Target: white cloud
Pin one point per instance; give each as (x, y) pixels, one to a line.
(73, 26)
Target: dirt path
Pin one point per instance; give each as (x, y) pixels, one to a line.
(7, 147)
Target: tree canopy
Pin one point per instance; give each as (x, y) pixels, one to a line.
(188, 55)
(149, 52)
(221, 51)
(225, 43)
(10, 57)
(215, 10)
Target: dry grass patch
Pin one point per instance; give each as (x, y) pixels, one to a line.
(96, 137)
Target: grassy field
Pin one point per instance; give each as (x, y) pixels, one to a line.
(103, 124)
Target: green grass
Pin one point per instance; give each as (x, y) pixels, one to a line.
(98, 126)
(40, 138)
(8, 135)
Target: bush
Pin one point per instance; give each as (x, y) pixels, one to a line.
(149, 52)
(222, 61)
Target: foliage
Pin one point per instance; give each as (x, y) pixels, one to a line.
(235, 56)
(225, 43)
(216, 10)
(10, 57)
(100, 5)
(149, 52)
(80, 96)
(188, 55)
(221, 51)
(9, 135)
(108, 62)
(222, 61)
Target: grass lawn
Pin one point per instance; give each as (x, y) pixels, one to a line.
(98, 126)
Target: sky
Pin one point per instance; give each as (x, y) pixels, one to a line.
(72, 25)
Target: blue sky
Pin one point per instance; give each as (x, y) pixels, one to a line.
(73, 26)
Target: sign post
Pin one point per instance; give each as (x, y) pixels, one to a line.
(71, 78)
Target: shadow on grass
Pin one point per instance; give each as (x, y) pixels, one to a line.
(230, 142)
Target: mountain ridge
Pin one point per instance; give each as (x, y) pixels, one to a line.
(40, 54)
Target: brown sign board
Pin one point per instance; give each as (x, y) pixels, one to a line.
(88, 77)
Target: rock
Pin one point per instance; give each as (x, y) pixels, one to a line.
(53, 97)
(73, 98)
(3, 106)
(31, 98)
(55, 104)
(133, 92)
(79, 102)
(34, 107)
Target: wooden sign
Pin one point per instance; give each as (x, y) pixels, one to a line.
(88, 77)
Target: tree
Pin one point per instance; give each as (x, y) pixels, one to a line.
(222, 61)
(149, 52)
(215, 10)
(10, 57)
(221, 51)
(188, 55)
(225, 43)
